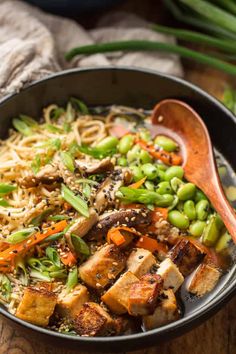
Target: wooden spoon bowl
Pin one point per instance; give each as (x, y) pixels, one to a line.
(178, 120)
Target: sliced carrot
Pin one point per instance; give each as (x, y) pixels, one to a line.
(67, 206)
(68, 258)
(148, 243)
(114, 234)
(169, 158)
(159, 213)
(7, 256)
(138, 184)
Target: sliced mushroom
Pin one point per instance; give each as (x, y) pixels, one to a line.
(128, 217)
(47, 175)
(94, 166)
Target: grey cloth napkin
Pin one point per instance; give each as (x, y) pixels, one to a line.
(33, 43)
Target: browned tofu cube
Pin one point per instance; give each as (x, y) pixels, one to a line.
(170, 274)
(93, 320)
(36, 306)
(186, 256)
(144, 295)
(117, 297)
(165, 312)
(103, 267)
(69, 304)
(140, 261)
(204, 279)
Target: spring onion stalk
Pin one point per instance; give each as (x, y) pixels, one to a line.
(67, 161)
(55, 237)
(29, 121)
(197, 21)
(144, 196)
(191, 36)
(58, 217)
(80, 246)
(37, 220)
(79, 105)
(53, 255)
(228, 5)
(52, 128)
(76, 201)
(138, 45)
(6, 189)
(22, 127)
(96, 152)
(212, 13)
(86, 180)
(44, 276)
(5, 287)
(36, 164)
(72, 279)
(20, 235)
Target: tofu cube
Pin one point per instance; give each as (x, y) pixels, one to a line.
(117, 297)
(69, 304)
(140, 261)
(144, 295)
(36, 306)
(186, 255)
(165, 312)
(93, 320)
(170, 274)
(204, 279)
(102, 267)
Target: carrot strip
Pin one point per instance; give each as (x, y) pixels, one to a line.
(68, 258)
(159, 213)
(150, 244)
(169, 158)
(114, 234)
(7, 256)
(138, 184)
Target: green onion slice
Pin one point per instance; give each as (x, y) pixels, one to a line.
(22, 127)
(76, 201)
(53, 255)
(72, 279)
(20, 235)
(6, 189)
(67, 161)
(79, 245)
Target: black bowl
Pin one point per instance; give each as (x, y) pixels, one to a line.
(138, 88)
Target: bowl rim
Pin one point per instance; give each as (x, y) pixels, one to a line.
(182, 324)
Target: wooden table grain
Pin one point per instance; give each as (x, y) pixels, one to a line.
(215, 336)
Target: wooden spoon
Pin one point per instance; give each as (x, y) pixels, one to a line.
(178, 120)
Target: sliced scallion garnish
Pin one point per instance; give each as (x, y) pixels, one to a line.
(67, 161)
(22, 127)
(79, 105)
(72, 279)
(53, 255)
(6, 189)
(75, 201)
(79, 245)
(20, 235)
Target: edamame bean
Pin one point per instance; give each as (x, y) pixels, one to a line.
(110, 142)
(176, 183)
(165, 201)
(178, 219)
(199, 195)
(164, 188)
(189, 210)
(162, 167)
(202, 209)
(126, 144)
(223, 242)
(196, 228)
(137, 173)
(149, 185)
(186, 191)
(150, 171)
(133, 154)
(174, 203)
(122, 161)
(219, 222)
(211, 233)
(174, 171)
(161, 175)
(166, 143)
(145, 135)
(180, 206)
(144, 157)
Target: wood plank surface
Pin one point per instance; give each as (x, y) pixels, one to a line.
(215, 336)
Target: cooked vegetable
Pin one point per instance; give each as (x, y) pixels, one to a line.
(148, 243)
(138, 184)
(21, 235)
(6, 189)
(79, 245)
(76, 201)
(67, 161)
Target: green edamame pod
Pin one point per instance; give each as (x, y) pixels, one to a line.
(178, 219)
(199, 195)
(126, 144)
(110, 142)
(167, 144)
(186, 191)
(189, 210)
(202, 209)
(211, 232)
(165, 201)
(164, 188)
(149, 185)
(137, 173)
(174, 171)
(196, 228)
(150, 171)
(176, 183)
(144, 157)
(223, 242)
(122, 161)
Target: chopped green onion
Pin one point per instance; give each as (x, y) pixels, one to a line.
(37, 220)
(86, 190)
(44, 276)
(67, 127)
(72, 279)
(52, 128)
(36, 164)
(55, 236)
(20, 235)
(22, 127)
(5, 287)
(97, 153)
(144, 196)
(87, 180)
(6, 189)
(80, 246)
(23, 277)
(35, 263)
(53, 255)
(70, 114)
(57, 113)
(73, 149)
(60, 274)
(29, 121)
(58, 217)
(67, 161)
(79, 105)
(51, 143)
(4, 202)
(76, 201)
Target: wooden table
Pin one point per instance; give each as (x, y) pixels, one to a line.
(215, 336)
